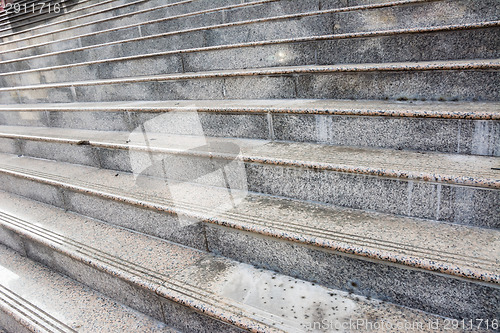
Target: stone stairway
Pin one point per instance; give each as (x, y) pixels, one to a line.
(258, 165)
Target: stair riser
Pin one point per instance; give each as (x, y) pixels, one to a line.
(98, 15)
(328, 19)
(415, 288)
(477, 137)
(424, 14)
(151, 222)
(437, 293)
(144, 300)
(443, 85)
(463, 136)
(464, 44)
(438, 201)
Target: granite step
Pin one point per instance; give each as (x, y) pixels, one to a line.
(447, 127)
(30, 29)
(320, 22)
(164, 23)
(152, 23)
(458, 80)
(188, 289)
(445, 187)
(34, 298)
(140, 22)
(460, 42)
(196, 288)
(441, 268)
(35, 14)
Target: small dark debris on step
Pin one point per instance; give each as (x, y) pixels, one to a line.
(83, 143)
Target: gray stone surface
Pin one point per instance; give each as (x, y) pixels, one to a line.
(106, 121)
(422, 85)
(151, 222)
(435, 293)
(43, 300)
(9, 146)
(33, 190)
(191, 321)
(82, 22)
(464, 205)
(424, 199)
(442, 135)
(12, 240)
(137, 210)
(449, 85)
(22, 118)
(479, 137)
(72, 153)
(128, 294)
(420, 14)
(10, 325)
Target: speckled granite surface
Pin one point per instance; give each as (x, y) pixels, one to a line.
(259, 300)
(473, 79)
(296, 221)
(447, 168)
(479, 64)
(317, 50)
(354, 194)
(454, 110)
(41, 300)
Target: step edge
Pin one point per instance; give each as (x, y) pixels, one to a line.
(376, 111)
(452, 65)
(29, 315)
(203, 302)
(490, 183)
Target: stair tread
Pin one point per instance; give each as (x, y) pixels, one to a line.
(425, 109)
(232, 292)
(470, 170)
(476, 64)
(46, 301)
(459, 250)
